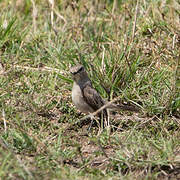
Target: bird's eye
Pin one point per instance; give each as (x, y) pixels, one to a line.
(80, 69)
(77, 70)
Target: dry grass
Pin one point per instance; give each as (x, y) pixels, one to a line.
(131, 51)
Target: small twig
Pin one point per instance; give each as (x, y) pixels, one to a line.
(34, 14)
(174, 40)
(114, 6)
(60, 16)
(148, 120)
(134, 28)
(176, 120)
(102, 61)
(135, 19)
(52, 13)
(85, 165)
(53, 10)
(107, 105)
(100, 109)
(45, 68)
(4, 120)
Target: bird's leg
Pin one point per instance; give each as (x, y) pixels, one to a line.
(103, 120)
(92, 120)
(108, 122)
(105, 123)
(89, 128)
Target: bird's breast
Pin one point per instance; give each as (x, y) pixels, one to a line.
(78, 99)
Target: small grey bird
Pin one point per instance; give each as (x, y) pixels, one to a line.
(84, 96)
(87, 99)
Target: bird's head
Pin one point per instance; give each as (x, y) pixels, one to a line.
(79, 74)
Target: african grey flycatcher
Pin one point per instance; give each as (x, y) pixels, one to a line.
(84, 96)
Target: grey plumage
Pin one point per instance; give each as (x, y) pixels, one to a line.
(84, 96)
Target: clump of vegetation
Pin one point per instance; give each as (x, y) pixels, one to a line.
(131, 50)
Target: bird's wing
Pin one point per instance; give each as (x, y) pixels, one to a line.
(92, 97)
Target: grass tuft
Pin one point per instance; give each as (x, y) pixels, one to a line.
(130, 50)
